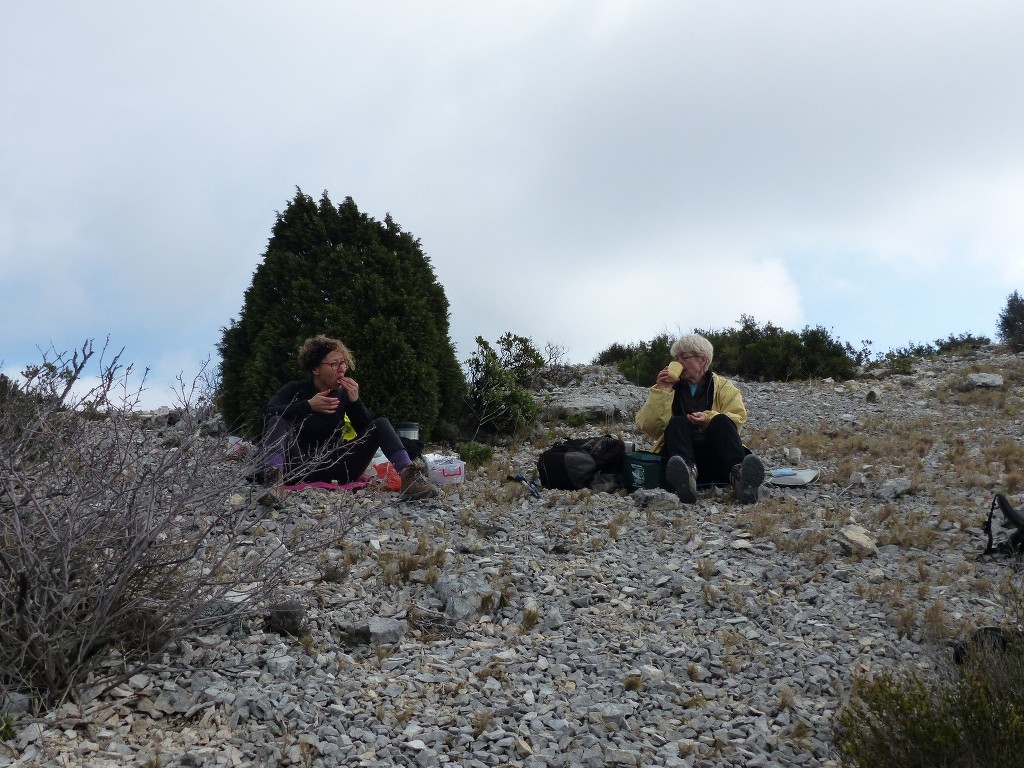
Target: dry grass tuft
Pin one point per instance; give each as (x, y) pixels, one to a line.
(633, 682)
(531, 616)
(481, 721)
(706, 568)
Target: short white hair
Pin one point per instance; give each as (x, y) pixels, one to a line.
(694, 344)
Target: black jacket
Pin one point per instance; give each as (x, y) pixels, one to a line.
(312, 431)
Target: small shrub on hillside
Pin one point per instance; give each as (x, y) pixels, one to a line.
(576, 420)
(901, 360)
(769, 353)
(765, 352)
(8, 389)
(499, 401)
(964, 342)
(110, 539)
(640, 362)
(445, 433)
(1011, 322)
(613, 354)
(971, 716)
(7, 731)
(475, 454)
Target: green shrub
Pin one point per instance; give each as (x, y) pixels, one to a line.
(445, 433)
(498, 401)
(752, 351)
(965, 342)
(519, 356)
(7, 731)
(769, 353)
(614, 354)
(475, 454)
(640, 362)
(901, 359)
(971, 715)
(576, 420)
(1011, 322)
(335, 271)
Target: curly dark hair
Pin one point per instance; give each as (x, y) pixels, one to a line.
(314, 350)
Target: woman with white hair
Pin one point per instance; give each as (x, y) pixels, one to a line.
(695, 416)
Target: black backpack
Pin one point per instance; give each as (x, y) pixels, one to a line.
(1012, 518)
(584, 462)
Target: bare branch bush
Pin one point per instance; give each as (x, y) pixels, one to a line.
(122, 531)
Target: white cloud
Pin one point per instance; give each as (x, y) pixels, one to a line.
(793, 155)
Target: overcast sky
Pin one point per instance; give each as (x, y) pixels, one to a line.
(578, 172)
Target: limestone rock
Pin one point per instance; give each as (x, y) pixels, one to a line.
(984, 380)
(854, 539)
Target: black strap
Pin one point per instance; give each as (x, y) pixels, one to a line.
(989, 549)
(1015, 543)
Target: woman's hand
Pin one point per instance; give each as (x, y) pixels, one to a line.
(699, 419)
(322, 402)
(351, 387)
(665, 380)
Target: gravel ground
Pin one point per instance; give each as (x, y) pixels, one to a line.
(491, 627)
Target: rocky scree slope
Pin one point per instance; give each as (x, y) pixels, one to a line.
(492, 627)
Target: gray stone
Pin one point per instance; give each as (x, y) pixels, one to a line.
(31, 733)
(893, 488)
(281, 666)
(855, 539)
(462, 597)
(985, 381)
(386, 631)
(15, 703)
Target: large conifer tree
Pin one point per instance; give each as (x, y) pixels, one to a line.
(335, 271)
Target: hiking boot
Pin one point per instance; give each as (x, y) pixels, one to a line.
(683, 478)
(416, 484)
(271, 478)
(746, 478)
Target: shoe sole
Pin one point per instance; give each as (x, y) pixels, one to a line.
(751, 478)
(679, 477)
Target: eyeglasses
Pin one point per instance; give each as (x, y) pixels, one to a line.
(687, 357)
(336, 364)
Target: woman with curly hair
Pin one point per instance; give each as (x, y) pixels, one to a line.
(308, 437)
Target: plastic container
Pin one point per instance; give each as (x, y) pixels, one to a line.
(408, 429)
(444, 470)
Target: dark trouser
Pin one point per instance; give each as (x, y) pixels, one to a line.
(714, 451)
(338, 462)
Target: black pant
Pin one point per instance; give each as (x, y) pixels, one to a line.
(714, 451)
(339, 461)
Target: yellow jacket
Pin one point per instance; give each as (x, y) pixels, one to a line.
(654, 416)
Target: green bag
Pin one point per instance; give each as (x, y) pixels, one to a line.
(642, 469)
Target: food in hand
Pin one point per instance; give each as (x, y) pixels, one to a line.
(675, 370)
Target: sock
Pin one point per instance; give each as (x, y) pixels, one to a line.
(400, 460)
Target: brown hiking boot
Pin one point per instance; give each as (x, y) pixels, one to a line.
(416, 484)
